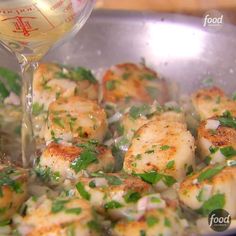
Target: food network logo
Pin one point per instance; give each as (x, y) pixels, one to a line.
(213, 20)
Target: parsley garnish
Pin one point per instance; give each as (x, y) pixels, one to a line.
(228, 151)
(164, 147)
(75, 211)
(137, 111)
(4, 222)
(83, 161)
(153, 177)
(111, 84)
(58, 121)
(81, 189)
(46, 174)
(217, 201)
(227, 120)
(167, 222)
(111, 179)
(6, 179)
(132, 196)
(170, 164)
(112, 205)
(80, 73)
(13, 80)
(148, 76)
(209, 173)
(58, 205)
(37, 108)
(152, 91)
(94, 225)
(152, 220)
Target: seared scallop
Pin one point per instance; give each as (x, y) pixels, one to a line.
(52, 81)
(59, 162)
(61, 216)
(154, 222)
(209, 102)
(125, 83)
(217, 139)
(13, 190)
(142, 114)
(107, 190)
(211, 188)
(166, 148)
(75, 118)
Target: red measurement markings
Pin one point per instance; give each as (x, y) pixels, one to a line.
(57, 4)
(69, 7)
(18, 11)
(22, 24)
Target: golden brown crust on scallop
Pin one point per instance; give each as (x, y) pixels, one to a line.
(135, 82)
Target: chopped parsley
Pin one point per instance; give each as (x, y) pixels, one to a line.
(228, 120)
(80, 73)
(7, 178)
(3, 91)
(111, 85)
(111, 179)
(147, 76)
(149, 151)
(142, 232)
(46, 174)
(83, 193)
(75, 211)
(137, 111)
(152, 91)
(58, 205)
(207, 160)
(92, 184)
(217, 201)
(132, 196)
(189, 170)
(86, 158)
(12, 79)
(200, 196)
(170, 164)
(213, 149)
(58, 121)
(4, 222)
(167, 222)
(94, 225)
(54, 138)
(209, 173)
(151, 221)
(126, 75)
(37, 108)
(112, 205)
(208, 82)
(153, 177)
(228, 152)
(164, 147)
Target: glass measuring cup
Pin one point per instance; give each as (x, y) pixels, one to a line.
(29, 28)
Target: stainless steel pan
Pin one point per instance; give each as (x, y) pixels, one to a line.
(177, 46)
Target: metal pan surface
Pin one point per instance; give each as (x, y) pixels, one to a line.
(177, 46)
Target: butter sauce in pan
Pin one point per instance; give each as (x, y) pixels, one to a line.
(117, 157)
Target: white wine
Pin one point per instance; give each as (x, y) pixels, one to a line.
(29, 28)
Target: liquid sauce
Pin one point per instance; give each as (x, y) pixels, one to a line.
(29, 29)
(76, 180)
